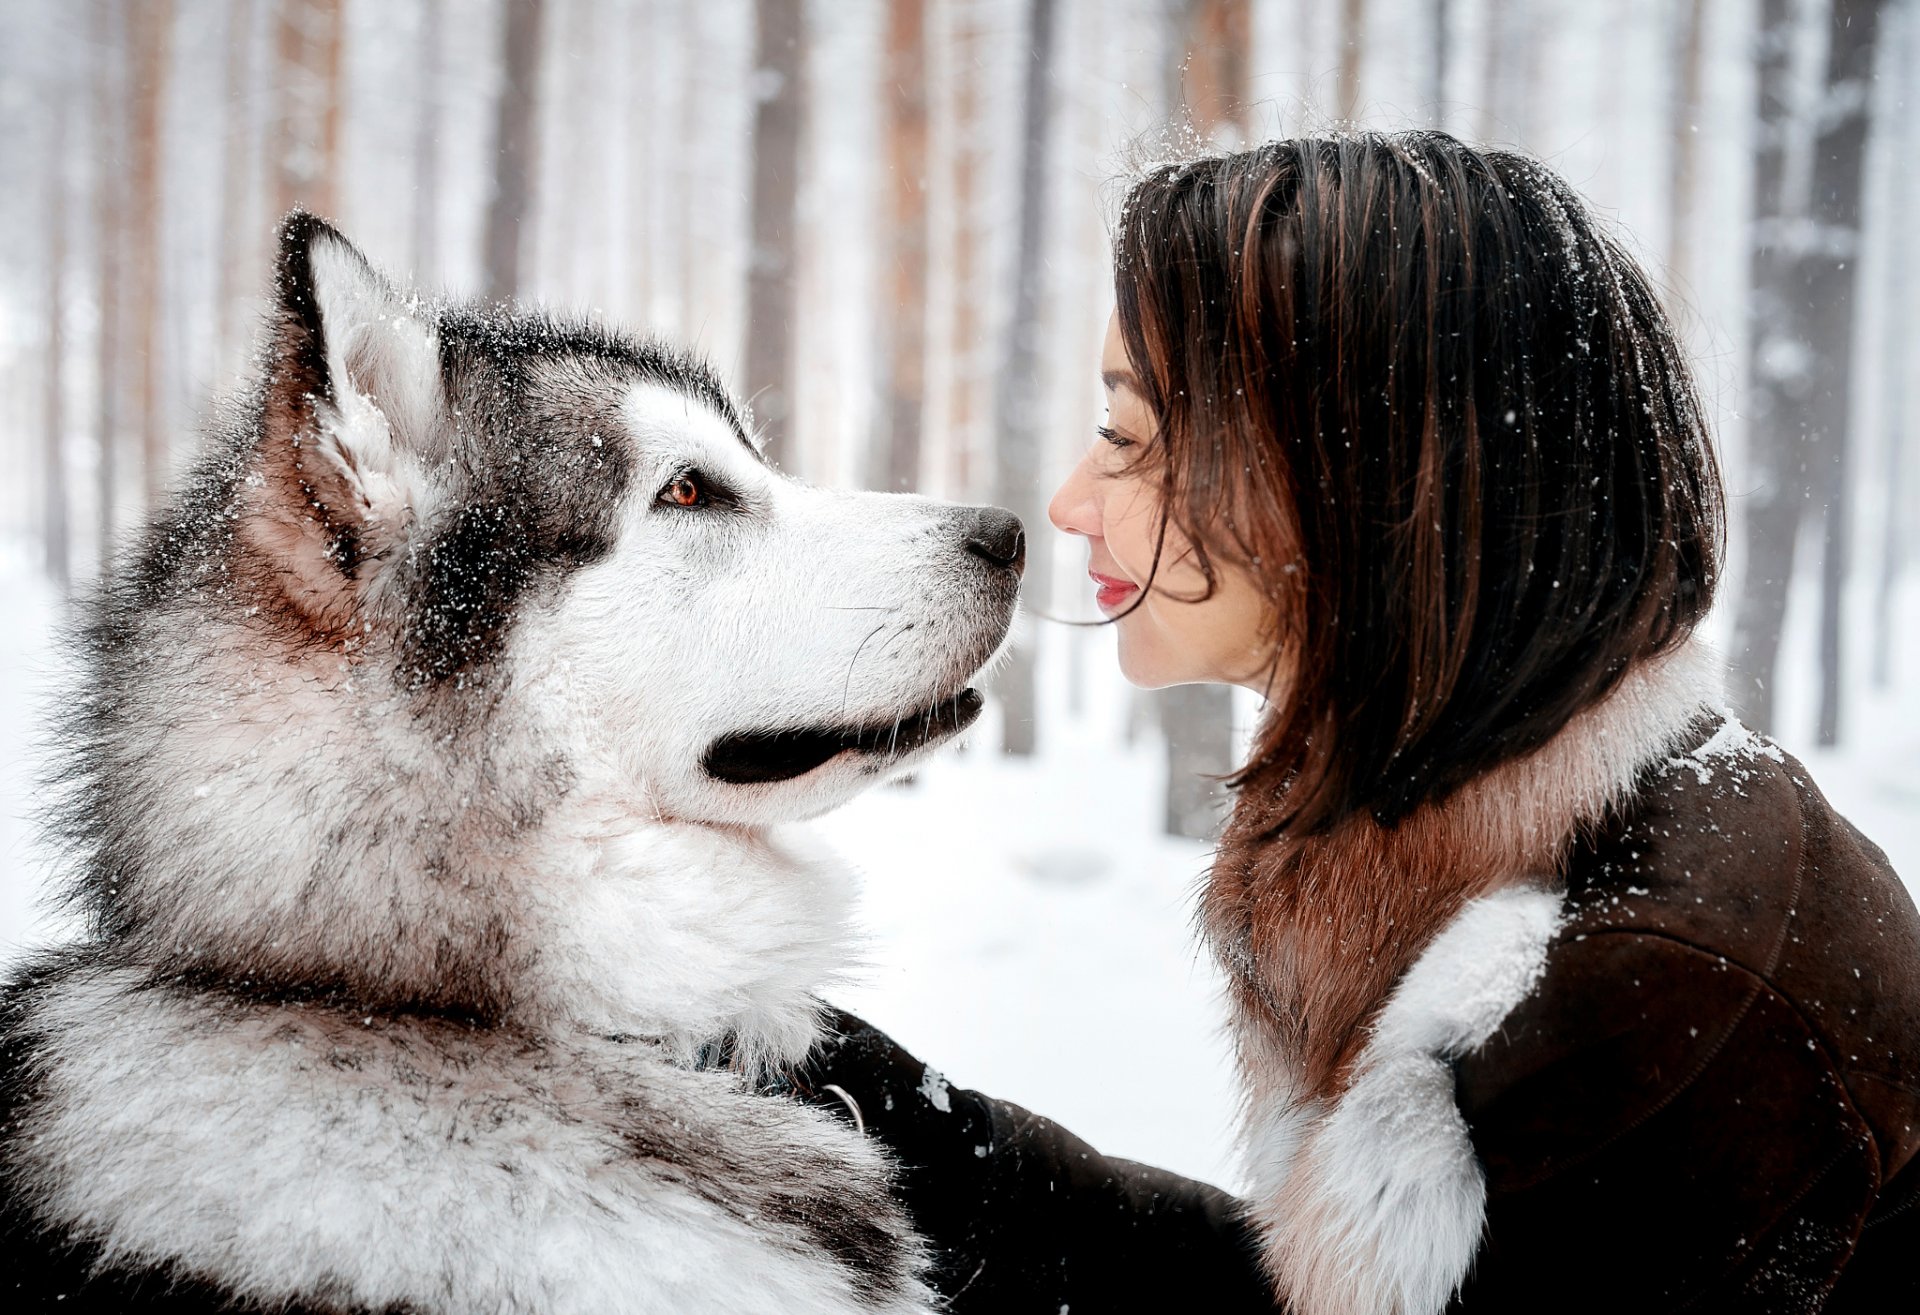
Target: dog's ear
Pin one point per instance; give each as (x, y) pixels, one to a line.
(352, 424)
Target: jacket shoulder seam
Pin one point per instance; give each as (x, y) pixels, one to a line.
(1758, 984)
(1762, 981)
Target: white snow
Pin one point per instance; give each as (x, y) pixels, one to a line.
(1730, 743)
(30, 609)
(933, 1085)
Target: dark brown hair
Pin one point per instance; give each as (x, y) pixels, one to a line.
(1438, 415)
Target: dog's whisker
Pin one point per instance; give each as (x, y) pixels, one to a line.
(847, 691)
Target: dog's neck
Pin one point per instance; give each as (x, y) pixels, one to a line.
(683, 932)
(1314, 931)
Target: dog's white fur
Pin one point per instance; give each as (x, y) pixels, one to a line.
(625, 907)
(380, 1169)
(1374, 1203)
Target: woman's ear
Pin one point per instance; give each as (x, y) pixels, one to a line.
(352, 425)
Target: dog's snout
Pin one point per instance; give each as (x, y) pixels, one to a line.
(997, 535)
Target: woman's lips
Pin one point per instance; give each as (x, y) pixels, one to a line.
(1113, 592)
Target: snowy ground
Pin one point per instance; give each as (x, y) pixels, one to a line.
(1027, 928)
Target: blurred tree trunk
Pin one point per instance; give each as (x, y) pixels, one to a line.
(903, 310)
(307, 122)
(778, 85)
(110, 61)
(54, 519)
(639, 175)
(515, 139)
(1494, 66)
(1839, 189)
(1442, 58)
(235, 269)
(1689, 68)
(1780, 374)
(151, 34)
(563, 246)
(426, 147)
(965, 406)
(1897, 351)
(1806, 248)
(1218, 42)
(1020, 400)
(682, 253)
(1196, 721)
(1511, 88)
(1353, 49)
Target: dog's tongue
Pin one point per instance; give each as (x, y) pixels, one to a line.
(765, 757)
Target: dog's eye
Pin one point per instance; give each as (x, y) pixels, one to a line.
(684, 490)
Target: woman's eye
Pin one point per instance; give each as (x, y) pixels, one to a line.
(1112, 438)
(684, 491)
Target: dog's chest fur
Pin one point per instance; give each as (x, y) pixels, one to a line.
(296, 1154)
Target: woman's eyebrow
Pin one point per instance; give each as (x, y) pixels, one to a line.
(1120, 379)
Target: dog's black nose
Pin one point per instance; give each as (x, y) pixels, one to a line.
(997, 536)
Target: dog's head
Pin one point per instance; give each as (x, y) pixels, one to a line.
(496, 510)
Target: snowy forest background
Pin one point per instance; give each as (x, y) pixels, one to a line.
(885, 221)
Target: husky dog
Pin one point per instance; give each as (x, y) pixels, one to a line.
(421, 797)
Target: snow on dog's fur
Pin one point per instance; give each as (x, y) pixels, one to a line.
(421, 797)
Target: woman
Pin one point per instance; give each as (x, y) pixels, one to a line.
(1552, 988)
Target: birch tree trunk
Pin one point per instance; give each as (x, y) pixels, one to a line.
(903, 309)
(778, 85)
(1018, 404)
(515, 139)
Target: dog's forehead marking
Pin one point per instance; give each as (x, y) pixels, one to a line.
(658, 413)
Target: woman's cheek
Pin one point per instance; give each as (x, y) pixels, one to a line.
(1129, 518)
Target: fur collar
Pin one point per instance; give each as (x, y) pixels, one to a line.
(1361, 963)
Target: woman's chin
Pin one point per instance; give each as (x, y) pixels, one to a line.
(1145, 667)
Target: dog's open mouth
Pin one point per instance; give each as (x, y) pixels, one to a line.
(764, 757)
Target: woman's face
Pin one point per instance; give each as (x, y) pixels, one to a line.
(1176, 635)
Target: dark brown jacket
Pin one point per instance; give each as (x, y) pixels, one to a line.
(1711, 1100)
(1706, 1098)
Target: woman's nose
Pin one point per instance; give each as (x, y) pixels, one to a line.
(1073, 509)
